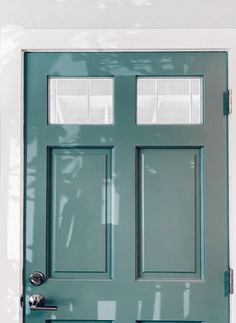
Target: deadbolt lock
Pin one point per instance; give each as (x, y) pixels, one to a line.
(37, 278)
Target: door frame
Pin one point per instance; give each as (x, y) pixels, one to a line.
(16, 41)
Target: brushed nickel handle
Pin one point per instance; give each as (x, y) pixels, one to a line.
(37, 303)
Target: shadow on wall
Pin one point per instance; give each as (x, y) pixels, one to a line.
(76, 14)
(88, 14)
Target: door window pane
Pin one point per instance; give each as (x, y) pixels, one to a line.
(169, 100)
(81, 100)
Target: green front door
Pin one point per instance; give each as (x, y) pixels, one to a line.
(126, 187)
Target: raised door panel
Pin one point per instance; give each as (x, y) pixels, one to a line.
(169, 213)
(79, 235)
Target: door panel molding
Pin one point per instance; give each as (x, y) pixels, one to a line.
(14, 43)
(98, 259)
(158, 166)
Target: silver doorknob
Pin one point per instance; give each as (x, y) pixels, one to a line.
(37, 303)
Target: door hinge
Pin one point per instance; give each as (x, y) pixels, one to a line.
(229, 102)
(21, 300)
(231, 281)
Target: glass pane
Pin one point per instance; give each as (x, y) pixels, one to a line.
(169, 100)
(81, 100)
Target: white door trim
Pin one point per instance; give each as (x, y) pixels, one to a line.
(14, 43)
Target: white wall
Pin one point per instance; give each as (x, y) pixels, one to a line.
(118, 13)
(72, 14)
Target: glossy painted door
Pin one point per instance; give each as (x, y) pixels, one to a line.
(127, 219)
